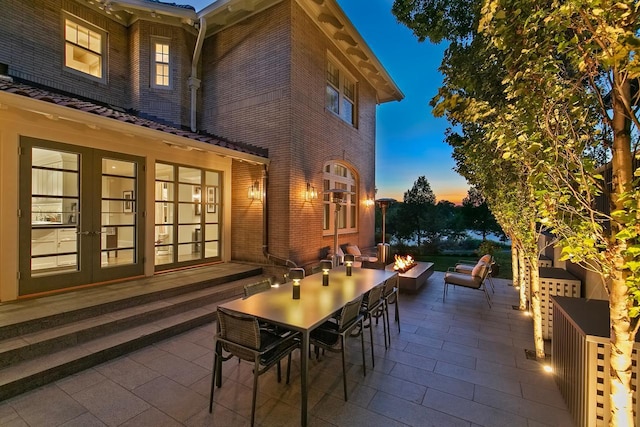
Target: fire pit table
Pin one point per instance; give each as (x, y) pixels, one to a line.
(412, 279)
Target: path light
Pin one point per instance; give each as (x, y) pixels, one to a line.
(348, 261)
(296, 274)
(325, 266)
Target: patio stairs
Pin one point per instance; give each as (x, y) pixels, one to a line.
(45, 339)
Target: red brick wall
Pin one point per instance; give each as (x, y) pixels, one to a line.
(246, 215)
(264, 83)
(31, 43)
(173, 104)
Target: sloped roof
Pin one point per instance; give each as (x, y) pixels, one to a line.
(125, 116)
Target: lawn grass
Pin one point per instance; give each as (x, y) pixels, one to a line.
(443, 262)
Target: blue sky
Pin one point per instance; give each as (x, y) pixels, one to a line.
(410, 141)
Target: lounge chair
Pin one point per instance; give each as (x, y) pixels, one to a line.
(475, 280)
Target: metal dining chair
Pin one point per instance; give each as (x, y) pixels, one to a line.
(331, 336)
(239, 335)
(390, 296)
(373, 304)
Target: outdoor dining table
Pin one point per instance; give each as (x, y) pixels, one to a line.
(317, 303)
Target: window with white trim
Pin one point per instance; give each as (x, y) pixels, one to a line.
(85, 47)
(160, 64)
(341, 93)
(337, 175)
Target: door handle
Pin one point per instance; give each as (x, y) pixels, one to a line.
(84, 233)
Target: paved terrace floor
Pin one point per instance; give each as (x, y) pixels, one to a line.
(457, 363)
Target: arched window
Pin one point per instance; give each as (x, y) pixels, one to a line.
(337, 175)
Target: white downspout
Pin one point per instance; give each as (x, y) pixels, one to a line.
(194, 82)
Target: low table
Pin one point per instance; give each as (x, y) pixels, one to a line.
(413, 279)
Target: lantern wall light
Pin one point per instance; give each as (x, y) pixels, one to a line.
(254, 191)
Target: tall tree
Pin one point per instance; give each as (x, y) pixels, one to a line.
(471, 96)
(477, 215)
(417, 210)
(567, 71)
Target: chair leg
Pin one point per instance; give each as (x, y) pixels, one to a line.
(364, 365)
(344, 367)
(373, 362)
(289, 367)
(397, 310)
(255, 391)
(213, 381)
(384, 325)
(444, 291)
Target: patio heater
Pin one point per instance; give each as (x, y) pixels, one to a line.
(383, 251)
(338, 196)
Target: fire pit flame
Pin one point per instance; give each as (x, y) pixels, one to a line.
(403, 263)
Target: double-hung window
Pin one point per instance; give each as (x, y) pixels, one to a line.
(160, 64)
(85, 47)
(341, 93)
(338, 176)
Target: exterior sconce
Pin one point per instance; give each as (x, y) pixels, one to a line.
(369, 202)
(254, 191)
(296, 274)
(310, 193)
(348, 261)
(325, 266)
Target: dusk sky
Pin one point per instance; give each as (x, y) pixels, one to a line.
(410, 141)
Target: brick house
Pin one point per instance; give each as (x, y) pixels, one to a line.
(138, 136)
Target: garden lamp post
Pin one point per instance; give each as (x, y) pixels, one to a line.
(337, 196)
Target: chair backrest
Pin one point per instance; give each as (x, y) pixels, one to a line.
(480, 270)
(257, 287)
(240, 329)
(349, 312)
(389, 284)
(374, 295)
(487, 259)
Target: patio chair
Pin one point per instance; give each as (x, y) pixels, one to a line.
(390, 296)
(256, 287)
(359, 258)
(467, 266)
(239, 335)
(475, 280)
(373, 304)
(331, 336)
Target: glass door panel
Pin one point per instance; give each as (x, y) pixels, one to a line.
(79, 213)
(187, 202)
(55, 183)
(118, 216)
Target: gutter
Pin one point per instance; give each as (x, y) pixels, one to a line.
(194, 82)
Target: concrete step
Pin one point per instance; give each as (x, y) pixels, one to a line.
(65, 347)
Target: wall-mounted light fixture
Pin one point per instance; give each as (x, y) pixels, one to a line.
(310, 193)
(369, 202)
(254, 191)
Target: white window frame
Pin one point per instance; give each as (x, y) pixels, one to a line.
(341, 87)
(69, 44)
(339, 175)
(155, 62)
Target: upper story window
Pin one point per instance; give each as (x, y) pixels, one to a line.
(160, 64)
(84, 49)
(341, 93)
(339, 176)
